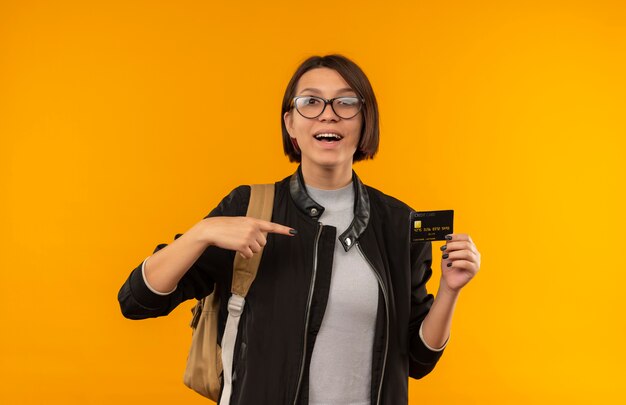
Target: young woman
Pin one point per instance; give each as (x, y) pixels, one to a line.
(338, 312)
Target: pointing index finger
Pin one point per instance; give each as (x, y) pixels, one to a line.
(272, 227)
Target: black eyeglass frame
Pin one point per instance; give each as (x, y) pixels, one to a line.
(327, 101)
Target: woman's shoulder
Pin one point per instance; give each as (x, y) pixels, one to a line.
(380, 198)
(234, 203)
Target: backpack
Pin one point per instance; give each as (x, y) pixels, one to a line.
(208, 364)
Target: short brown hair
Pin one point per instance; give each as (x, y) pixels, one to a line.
(354, 76)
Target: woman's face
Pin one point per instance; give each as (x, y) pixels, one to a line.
(324, 153)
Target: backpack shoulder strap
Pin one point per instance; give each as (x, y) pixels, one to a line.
(244, 271)
(260, 207)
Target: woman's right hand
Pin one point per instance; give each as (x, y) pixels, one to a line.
(245, 235)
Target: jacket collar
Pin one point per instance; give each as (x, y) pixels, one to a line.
(314, 210)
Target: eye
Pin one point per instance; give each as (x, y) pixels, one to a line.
(348, 101)
(310, 100)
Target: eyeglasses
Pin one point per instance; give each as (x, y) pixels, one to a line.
(312, 107)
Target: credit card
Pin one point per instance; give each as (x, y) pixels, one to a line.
(431, 225)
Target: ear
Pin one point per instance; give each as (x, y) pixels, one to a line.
(288, 121)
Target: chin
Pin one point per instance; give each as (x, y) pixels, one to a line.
(330, 163)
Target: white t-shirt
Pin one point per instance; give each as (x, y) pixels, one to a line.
(341, 364)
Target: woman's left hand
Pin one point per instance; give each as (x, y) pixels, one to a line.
(460, 261)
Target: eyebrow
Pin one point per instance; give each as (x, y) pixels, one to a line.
(345, 89)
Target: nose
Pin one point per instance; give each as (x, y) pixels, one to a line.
(328, 114)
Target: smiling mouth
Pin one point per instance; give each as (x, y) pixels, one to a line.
(328, 137)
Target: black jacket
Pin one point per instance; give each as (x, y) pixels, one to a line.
(292, 285)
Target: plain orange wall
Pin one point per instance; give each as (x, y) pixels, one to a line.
(123, 123)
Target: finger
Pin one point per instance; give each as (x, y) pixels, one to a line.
(460, 254)
(255, 247)
(261, 240)
(460, 245)
(246, 253)
(455, 237)
(458, 236)
(272, 227)
(463, 265)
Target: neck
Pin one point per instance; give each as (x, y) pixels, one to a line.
(326, 178)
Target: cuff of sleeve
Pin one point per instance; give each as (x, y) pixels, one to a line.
(426, 344)
(143, 274)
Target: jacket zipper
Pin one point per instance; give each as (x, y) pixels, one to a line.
(308, 308)
(382, 287)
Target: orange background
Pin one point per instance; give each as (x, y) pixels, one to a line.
(125, 122)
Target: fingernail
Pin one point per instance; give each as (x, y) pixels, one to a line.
(445, 256)
(293, 231)
(443, 247)
(449, 264)
(449, 237)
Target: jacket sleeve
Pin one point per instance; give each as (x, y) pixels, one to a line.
(138, 301)
(422, 360)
